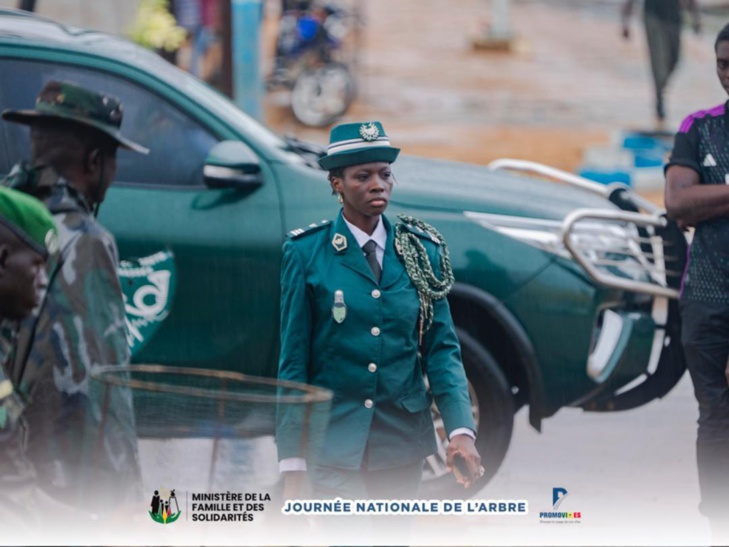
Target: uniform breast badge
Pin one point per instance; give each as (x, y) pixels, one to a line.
(339, 309)
(339, 242)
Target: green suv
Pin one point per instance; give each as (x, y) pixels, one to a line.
(565, 291)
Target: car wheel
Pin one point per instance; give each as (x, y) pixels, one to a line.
(493, 412)
(321, 95)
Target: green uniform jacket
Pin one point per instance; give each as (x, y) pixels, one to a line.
(369, 360)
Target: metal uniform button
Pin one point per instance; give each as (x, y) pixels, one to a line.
(372, 367)
(375, 331)
(376, 293)
(368, 403)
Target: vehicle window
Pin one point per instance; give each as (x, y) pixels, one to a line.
(178, 144)
(5, 163)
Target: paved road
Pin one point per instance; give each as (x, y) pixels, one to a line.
(631, 475)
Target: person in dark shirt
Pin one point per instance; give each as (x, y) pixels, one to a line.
(697, 195)
(662, 19)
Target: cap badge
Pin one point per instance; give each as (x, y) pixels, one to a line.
(369, 131)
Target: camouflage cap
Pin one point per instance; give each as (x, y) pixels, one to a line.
(73, 103)
(30, 220)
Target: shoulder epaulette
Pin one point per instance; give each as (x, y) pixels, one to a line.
(310, 229)
(420, 232)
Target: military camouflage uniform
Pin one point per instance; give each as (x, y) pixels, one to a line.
(17, 477)
(16, 472)
(80, 442)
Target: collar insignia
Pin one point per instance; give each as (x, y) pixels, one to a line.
(339, 242)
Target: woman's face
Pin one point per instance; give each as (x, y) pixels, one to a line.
(365, 188)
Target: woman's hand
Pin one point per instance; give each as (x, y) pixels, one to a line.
(464, 448)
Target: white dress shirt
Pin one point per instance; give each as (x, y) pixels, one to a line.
(379, 236)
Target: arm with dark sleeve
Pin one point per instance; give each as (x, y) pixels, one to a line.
(296, 321)
(689, 202)
(441, 353)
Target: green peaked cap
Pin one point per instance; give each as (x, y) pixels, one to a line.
(358, 143)
(76, 104)
(30, 220)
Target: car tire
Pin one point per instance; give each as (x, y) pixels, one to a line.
(494, 414)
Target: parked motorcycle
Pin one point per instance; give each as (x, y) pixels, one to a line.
(310, 63)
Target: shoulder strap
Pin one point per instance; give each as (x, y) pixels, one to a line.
(310, 229)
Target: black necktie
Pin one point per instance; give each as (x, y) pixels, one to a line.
(369, 249)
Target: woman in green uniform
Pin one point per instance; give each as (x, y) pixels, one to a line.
(364, 314)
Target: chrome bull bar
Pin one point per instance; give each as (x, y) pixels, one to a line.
(604, 190)
(652, 264)
(645, 253)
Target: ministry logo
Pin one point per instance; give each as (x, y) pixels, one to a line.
(164, 508)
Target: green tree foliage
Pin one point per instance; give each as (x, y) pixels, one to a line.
(155, 27)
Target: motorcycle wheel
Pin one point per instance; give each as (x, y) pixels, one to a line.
(322, 94)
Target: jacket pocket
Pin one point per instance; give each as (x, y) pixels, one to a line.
(417, 402)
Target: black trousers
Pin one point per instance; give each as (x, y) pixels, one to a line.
(705, 338)
(664, 46)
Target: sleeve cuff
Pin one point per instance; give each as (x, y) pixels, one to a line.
(292, 464)
(460, 431)
(683, 163)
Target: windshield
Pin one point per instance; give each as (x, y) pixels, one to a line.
(115, 47)
(197, 90)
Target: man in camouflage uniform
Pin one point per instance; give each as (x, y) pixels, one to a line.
(81, 439)
(28, 237)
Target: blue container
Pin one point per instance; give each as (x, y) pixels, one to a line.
(649, 158)
(637, 141)
(605, 176)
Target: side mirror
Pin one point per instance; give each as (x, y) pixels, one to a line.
(232, 164)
